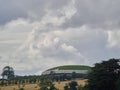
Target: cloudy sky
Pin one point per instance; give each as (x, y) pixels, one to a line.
(38, 34)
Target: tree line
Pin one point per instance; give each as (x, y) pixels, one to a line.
(103, 76)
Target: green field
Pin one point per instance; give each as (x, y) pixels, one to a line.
(71, 67)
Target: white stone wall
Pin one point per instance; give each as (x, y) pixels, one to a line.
(65, 71)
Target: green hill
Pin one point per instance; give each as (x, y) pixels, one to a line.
(71, 67)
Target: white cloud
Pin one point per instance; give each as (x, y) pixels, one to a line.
(68, 48)
(51, 33)
(114, 39)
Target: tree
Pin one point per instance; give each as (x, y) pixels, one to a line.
(52, 87)
(21, 89)
(66, 87)
(104, 75)
(8, 73)
(73, 85)
(118, 84)
(45, 83)
(74, 75)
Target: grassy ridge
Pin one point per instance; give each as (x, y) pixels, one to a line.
(72, 67)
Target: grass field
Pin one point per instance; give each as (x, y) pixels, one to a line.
(15, 87)
(58, 85)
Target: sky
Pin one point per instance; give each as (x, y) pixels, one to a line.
(39, 34)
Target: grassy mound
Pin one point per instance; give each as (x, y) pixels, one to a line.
(71, 67)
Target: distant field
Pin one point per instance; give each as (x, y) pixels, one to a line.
(72, 67)
(35, 87)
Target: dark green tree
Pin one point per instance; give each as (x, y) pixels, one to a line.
(45, 83)
(66, 87)
(104, 75)
(73, 85)
(52, 87)
(118, 84)
(74, 75)
(21, 89)
(8, 73)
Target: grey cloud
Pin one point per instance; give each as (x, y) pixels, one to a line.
(98, 14)
(10, 11)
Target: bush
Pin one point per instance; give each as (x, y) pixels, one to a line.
(21, 89)
(73, 85)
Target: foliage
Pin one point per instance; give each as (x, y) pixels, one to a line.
(8, 73)
(104, 75)
(47, 83)
(118, 84)
(73, 85)
(66, 87)
(74, 75)
(21, 89)
(52, 87)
